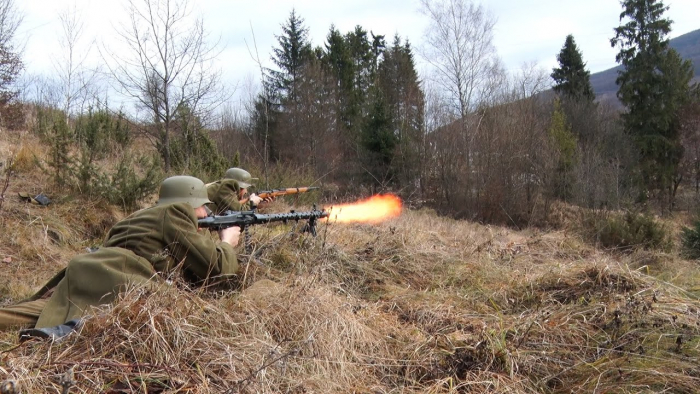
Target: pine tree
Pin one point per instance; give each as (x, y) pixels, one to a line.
(10, 67)
(564, 142)
(276, 120)
(378, 139)
(653, 86)
(398, 80)
(293, 51)
(571, 77)
(352, 60)
(263, 125)
(338, 60)
(364, 55)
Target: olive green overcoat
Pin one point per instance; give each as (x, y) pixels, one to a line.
(224, 195)
(143, 247)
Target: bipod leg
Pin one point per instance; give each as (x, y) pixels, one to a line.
(247, 244)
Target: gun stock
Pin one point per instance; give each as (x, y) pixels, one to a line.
(285, 191)
(244, 219)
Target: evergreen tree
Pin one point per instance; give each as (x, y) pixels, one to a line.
(378, 48)
(263, 125)
(293, 51)
(564, 142)
(379, 140)
(363, 65)
(573, 84)
(571, 77)
(60, 138)
(281, 97)
(10, 67)
(399, 83)
(352, 61)
(653, 86)
(338, 60)
(307, 125)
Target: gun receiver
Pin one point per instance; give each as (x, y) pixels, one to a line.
(244, 219)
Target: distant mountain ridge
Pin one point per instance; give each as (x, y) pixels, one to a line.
(687, 45)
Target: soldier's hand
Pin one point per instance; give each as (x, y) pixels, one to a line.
(268, 199)
(230, 235)
(254, 199)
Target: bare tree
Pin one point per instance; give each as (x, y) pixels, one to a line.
(312, 107)
(76, 81)
(167, 67)
(459, 47)
(465, 68)
(263, 99)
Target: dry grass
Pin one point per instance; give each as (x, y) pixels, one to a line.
(281, 337)
(37, 241)
(419, 304)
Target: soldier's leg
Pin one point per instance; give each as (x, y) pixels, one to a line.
(24, 314)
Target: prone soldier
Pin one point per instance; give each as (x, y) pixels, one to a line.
(146, 246)
(231, 192)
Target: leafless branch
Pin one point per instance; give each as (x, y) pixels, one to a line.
(167, 65)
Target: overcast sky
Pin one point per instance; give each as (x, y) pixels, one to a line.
(526, 30)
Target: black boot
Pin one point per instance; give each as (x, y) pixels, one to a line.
(54, 333)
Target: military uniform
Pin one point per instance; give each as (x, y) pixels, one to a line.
(138, 249)
(224, 194)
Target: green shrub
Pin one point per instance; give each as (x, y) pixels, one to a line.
(630, 231)
(45, 119)
(60, 138)
(85, 171)
(100, 132)
(690, 239)
(77, 156)
(197, 155)
(125, 186)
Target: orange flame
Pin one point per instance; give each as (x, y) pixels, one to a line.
(372, 210)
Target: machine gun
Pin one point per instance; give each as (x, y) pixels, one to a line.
(243, 219)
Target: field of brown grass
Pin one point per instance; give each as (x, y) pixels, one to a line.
(417, 304)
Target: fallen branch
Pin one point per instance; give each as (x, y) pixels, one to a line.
(8, 174)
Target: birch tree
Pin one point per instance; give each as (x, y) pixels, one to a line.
(76, 79)
(459, 47)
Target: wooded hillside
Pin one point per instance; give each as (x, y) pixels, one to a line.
(687, 45)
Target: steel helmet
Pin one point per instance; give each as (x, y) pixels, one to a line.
(183, 188)
(241, 176)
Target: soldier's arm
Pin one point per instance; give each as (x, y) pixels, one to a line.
(200, 254)
(225, 195)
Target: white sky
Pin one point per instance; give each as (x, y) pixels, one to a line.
(526, 30)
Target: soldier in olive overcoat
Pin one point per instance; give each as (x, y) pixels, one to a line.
(143, 248)
(229, 193)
